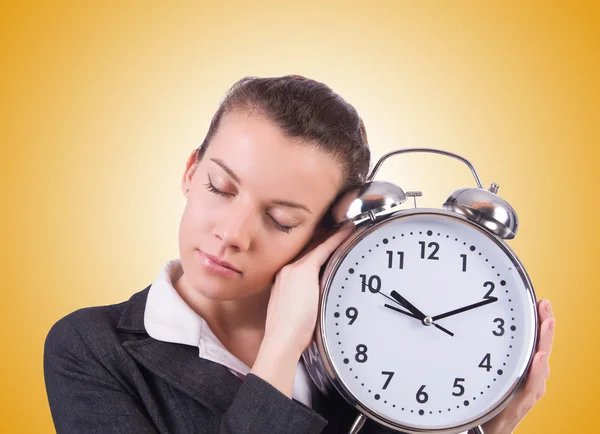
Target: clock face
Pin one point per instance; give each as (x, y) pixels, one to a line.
(460, 350)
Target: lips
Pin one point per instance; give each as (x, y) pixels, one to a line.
(222, 263)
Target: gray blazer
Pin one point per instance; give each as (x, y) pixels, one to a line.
(104, 374)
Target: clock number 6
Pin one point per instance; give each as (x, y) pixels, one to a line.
(422, 397)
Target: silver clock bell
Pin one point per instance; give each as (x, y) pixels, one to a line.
(376, 198)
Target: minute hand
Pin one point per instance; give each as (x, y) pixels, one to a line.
(464, 309)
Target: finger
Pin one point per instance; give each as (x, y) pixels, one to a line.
(547, 322)
(535, 385)
(317, 238)
(544, 310)
(320, 254)
(533, 389)
(546, 336)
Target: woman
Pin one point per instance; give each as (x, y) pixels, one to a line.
(214, 343)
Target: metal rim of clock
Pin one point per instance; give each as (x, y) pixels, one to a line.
(322, 367)
(477, 204)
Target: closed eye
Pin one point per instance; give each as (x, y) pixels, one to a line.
(210, 187)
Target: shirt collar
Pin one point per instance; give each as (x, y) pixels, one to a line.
(168, 318)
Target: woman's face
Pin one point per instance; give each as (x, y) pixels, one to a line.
(254, 201)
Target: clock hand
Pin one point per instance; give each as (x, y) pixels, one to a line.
(405, 303)
(400, 310)
(411, 315)
(464, 309)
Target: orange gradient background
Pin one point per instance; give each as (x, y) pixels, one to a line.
(101, 103)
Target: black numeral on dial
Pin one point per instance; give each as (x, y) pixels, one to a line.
(352, 313)
(390, 375)
(490, 285)
(374, 283)
(464, 262)
(500, 327)
(422, 396)
(460, 387)
(361, 353)
(435, 246)
(486, 363)
(390, 254)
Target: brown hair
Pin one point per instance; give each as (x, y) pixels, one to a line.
(305, 109)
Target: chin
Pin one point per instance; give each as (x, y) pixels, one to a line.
(215, 288)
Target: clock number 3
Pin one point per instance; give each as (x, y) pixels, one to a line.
(500, 326)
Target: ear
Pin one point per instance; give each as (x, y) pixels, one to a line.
(190, 168)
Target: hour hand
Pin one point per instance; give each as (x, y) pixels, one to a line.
(405, 303)
(414, 312)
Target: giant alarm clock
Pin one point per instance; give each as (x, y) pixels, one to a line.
(427, 319)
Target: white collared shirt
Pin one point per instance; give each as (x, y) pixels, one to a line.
(168, 318)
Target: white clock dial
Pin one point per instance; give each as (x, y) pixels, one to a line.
(436, 376)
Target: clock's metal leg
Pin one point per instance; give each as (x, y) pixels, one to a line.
(358, 423)
(476, 430)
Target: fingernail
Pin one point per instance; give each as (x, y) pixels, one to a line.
(548, 307)
(543, 356)
(551, 325)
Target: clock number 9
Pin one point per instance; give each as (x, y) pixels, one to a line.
(374, 284)
(352, 313)
(422, 396)
(361, 353)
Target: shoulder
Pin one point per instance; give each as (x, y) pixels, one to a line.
(95, 327)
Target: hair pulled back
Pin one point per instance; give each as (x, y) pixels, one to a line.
(307, 110)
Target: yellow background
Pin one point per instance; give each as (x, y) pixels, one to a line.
(101, 103)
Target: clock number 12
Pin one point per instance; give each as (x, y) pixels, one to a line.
(435, 246)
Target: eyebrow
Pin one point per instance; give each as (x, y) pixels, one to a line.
(237, 179)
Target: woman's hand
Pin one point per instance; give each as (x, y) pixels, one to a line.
(535, 385)
(294, 301)
(292, 313)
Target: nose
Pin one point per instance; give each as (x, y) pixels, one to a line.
(234, 226)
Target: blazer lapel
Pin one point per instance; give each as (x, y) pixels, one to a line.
(210, 383)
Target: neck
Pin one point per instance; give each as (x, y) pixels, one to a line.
(228, 319)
